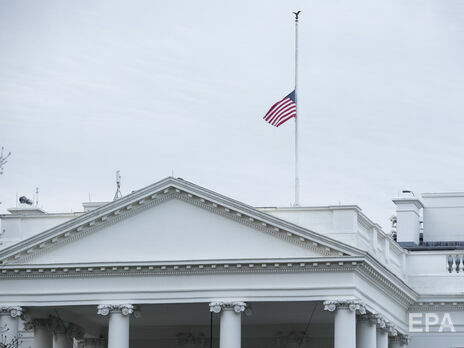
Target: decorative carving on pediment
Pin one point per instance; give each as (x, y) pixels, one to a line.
(190, 340)
(124, 309)
(236, 306)
(352, 305)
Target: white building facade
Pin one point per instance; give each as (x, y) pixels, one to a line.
(177, 265)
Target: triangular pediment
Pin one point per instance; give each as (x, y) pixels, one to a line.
(171, 221)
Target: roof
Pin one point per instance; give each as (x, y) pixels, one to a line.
(185, 190)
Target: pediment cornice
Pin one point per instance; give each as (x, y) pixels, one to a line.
(158, 193)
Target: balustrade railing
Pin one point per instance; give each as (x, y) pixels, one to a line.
(455, 263)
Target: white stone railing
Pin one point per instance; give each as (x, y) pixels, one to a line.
(349, 225)
(455, 263)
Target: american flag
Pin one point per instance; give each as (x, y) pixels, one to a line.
(282, 111)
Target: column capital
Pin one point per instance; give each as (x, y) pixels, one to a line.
(392, 330)
(369, 317)
(12, 311)
(400, 338)
(384, 324)
(236, 306)
(352, 305)
(381, 322)
(124, 309)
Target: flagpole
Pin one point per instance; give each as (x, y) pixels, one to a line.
(297, 179)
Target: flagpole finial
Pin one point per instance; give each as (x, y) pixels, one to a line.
(296, 15)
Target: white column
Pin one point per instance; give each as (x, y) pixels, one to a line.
(231, 323)
(366, 332)
(384, 329)
(62, 340)
(118, 327)
(382, 337)
(63, 333)
(43, 337)
(345, 321)
(9, 316)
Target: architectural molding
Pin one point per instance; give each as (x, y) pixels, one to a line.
(236, 306)
(262, 226)
(449, 306)
(389, 284)
(186, 267)
(124, 309)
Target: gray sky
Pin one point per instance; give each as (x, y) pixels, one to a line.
(89, 87)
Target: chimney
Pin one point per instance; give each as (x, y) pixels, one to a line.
(408, 220)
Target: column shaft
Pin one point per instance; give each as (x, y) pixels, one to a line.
(42, 336)
(345, 328)
(118, 330)
(366, 334)
(62, 340)
(382, 338)
(230, 329)
(398, 342)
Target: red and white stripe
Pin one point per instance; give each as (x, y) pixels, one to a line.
(281, 112)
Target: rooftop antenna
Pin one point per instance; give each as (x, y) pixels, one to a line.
(118, 194)
(3, 159)
(36, 196)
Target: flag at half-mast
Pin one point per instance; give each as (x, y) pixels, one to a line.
(282, 111)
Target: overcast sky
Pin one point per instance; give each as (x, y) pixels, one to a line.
(151, 87)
